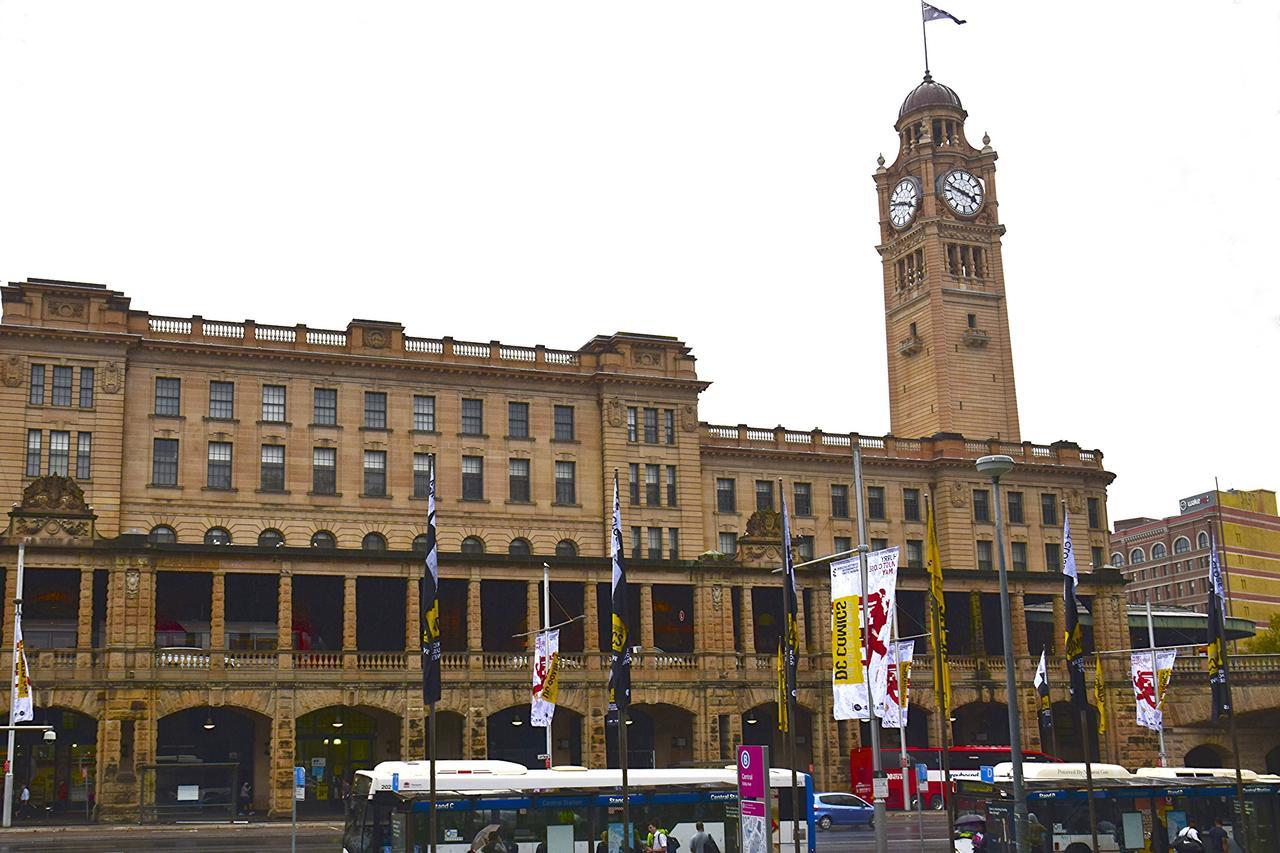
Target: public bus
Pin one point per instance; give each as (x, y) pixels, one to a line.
(966, 763)
(565, 809)
(1141, 810)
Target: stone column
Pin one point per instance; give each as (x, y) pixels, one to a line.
(218, 612)
(532, 609)
(474, 634)
(349, 623)
(284, 618)
(748, 623)
(590, 634)
(1021, 651)
(412, 619)
(646, 617)
(84, 616)
(283, 746)
(1059, 625)
(977, 636)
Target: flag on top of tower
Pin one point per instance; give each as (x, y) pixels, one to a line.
(933, 13)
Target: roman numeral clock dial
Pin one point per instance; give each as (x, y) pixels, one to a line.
(962, 192)
(904, 202)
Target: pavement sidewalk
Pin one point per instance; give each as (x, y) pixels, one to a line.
(28, 827)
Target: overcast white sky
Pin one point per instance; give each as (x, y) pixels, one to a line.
(539, 172)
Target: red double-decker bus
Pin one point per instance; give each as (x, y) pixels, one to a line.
(966, 763)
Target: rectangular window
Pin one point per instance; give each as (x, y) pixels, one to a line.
(36, 394)
(272, 468)
(325, 408)
(517, 420)
(673, 543)
(566, 483)
(324, 470)
(655, 543)
(804, 548)
(764, 494)
(34, 446)
(518, 489)
(1015, 508)
(164, 462)
(424, 413)
(59, 452)
(669, 425)
(652, 486)
(981, 505)
(1095, 554)
(875, 503)
(1049, 509)
(375, 473)
(842, 544)
(804, 499)
(84, 455)
(1052, 556)
(375, 409)
(631, 423)
(636, 551)
(62, 386)
(633, 484)
(563, 416)
(650, 426)
(422, 463)
(472, 417)
(273, 400)
(219, 470)
(726, 495)
(168, 397)
(222, 400)
(86, 387)
(1018, 552)
(727, 543)
(984, 555)
(671, 485)
(910, 504)
(473, 478)
(1095, 513)
(839, 501)
(879, 544)
(915, 553)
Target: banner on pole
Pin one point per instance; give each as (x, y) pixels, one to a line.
(855, 644)
(23, 707)
(897, 695)
(1151, 712)
(546, 665)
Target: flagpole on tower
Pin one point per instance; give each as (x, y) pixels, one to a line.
(924, 34)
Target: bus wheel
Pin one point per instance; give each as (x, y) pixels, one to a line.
(936, 802)
(824, 822)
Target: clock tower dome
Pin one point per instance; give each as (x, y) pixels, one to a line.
(950, 360)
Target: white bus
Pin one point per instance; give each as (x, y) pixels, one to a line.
(560, 810)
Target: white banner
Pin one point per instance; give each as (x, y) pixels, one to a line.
(23, 707)
(898, 695)
(850, 651)
(1151, 713)
(546, 666)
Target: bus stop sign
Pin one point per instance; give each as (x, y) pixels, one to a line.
(987, 773)
(922, 773)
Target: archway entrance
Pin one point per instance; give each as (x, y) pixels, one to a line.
(59, 775)
(919, 731)
(1207, 755)
(1066, 727)
(449, 735)
(658, 735)
(981, 724)
(760, 727)
(333, 743)
(204, 757)
(511, 738)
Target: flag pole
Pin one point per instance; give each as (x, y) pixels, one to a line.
(1155, 677)
(429, 603)
(1071, 578)
(789, 606)
(620, 664)
(546, 629)
(877, 765)
(13, 691)
(1220, 617)
(939, 679)
(924, 34)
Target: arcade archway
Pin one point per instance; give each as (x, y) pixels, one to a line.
(658, 735)
(204, 757)
(760, 727)
(59, 775)
(512, 738)
(334, 742)
(981, 724)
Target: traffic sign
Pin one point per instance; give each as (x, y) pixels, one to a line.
(299, 777)
(922, 773)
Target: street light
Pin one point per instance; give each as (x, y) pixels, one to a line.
(996, 467)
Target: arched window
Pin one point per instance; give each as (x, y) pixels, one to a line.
(566, 548)
(420, 543)
(1202, 541)
(1117, 559)
(162, 534)
(217, 536)
(473, 545)
(1158, 551)
(324, 540)
(519, 548)
(270, 538)
(1181, 545)
(374, 542)
(1137, 555)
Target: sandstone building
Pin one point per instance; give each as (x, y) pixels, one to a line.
(223, 525)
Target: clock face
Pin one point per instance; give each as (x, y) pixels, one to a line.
(962, 191)
(904, 202)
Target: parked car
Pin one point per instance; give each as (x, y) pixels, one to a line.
(841, 809)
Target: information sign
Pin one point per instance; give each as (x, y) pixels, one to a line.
(755, 826)
(299, 776)
(922, 773)
(880, 788)
(987, 773)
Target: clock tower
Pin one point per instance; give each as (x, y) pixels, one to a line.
(950, 360)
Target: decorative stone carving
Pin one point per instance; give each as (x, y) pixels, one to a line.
(52, 507)
(1075, 501)
(689, 417)
(132, 581)
(959, 495)
(648, 357)
(717, 594)
(765, 524)
(60, 494)
(14, 370)
(376, 338)
(65, 309)
(613, 412)
(111, 377)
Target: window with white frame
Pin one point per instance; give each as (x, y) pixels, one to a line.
(273, 403)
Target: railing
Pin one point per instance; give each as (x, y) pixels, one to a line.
(427, 345)
(455, 661)
(223, 330)
(504, 660)
(467, 350)
(322, 338)
(381, 661)
(182, 659)
(317, 660)
(562, 357)
(169, 325)
(279, 334)
(664, 660)
(517, 353)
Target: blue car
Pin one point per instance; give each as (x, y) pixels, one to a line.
(841, 809)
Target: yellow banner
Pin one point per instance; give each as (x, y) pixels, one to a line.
(846, 641)
(551, 686)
